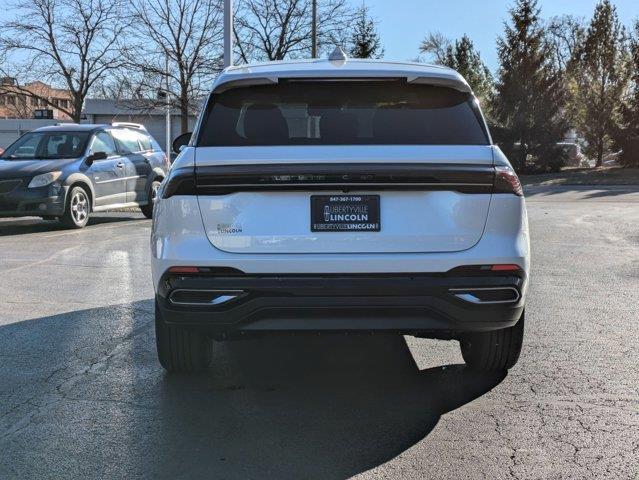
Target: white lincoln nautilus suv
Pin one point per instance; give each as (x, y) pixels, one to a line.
(340, 196)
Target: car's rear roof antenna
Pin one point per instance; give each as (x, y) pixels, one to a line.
(338, 55)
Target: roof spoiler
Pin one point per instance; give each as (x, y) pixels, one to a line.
(443, 81)
(128, 124)
(246, 82)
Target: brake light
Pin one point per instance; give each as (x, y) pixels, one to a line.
(507, 181)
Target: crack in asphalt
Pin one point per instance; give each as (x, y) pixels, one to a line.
(81, 371)
(568, 410)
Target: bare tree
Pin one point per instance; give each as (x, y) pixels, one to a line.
(279, 29)
(187, 34)
(69, 43)
(565, 35)
(437, 47)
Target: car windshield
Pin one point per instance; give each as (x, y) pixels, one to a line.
(47, 146)
(342, 113)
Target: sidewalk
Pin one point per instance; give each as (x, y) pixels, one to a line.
(585, 176)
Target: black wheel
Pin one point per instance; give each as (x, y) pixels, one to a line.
(147, 209)
(76, 211)
(493, 351)
(181, 350)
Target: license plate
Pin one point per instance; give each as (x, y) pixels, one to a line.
(345, 213)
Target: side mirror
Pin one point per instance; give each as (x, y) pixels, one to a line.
(180, 142)
(95, 157)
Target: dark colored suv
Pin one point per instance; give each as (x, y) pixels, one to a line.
(68, 171)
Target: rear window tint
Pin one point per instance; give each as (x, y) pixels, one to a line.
(342, 113)
(145, 142)
(103, 142)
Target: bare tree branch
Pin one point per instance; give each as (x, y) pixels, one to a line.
(437, 47)
(279, 29)
(186, 32)
(565, 35)
(70, 43)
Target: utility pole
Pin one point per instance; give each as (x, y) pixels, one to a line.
(168, 110)
(228, 33)
(314, 31)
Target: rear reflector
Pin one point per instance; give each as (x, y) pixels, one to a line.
(184, 270)
(505, 268)
(498, 269)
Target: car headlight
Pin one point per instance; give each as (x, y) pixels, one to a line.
(44, 179)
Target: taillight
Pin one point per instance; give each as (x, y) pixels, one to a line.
(180, 181)
(507, 181)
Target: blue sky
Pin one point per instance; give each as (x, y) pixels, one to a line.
(404, 23)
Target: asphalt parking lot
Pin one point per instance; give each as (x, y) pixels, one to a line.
(82, 395)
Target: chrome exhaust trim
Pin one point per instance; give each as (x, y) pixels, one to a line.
(204, 297)
(474, 295)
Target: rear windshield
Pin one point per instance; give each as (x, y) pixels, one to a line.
(342, 113)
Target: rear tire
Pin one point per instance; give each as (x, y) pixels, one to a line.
(147, 209)
(181, 350)
(77, 208)
(494, 351)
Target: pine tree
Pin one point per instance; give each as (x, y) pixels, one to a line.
(365, 41)
(627, 136)
(466, 60)
(603, 76)
(463, 57)
(530, 99)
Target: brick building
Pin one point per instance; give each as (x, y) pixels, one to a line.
(18, 104)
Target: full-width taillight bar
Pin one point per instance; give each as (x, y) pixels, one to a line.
(224, 179)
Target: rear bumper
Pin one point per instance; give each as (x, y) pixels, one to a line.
(419, 304)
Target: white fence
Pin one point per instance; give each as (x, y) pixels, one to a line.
(11, 129)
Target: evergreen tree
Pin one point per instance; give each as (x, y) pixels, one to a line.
(365, 41)
(530, 99)
(466, 60)
(627, 136)
(602, 78)
(463, 57)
